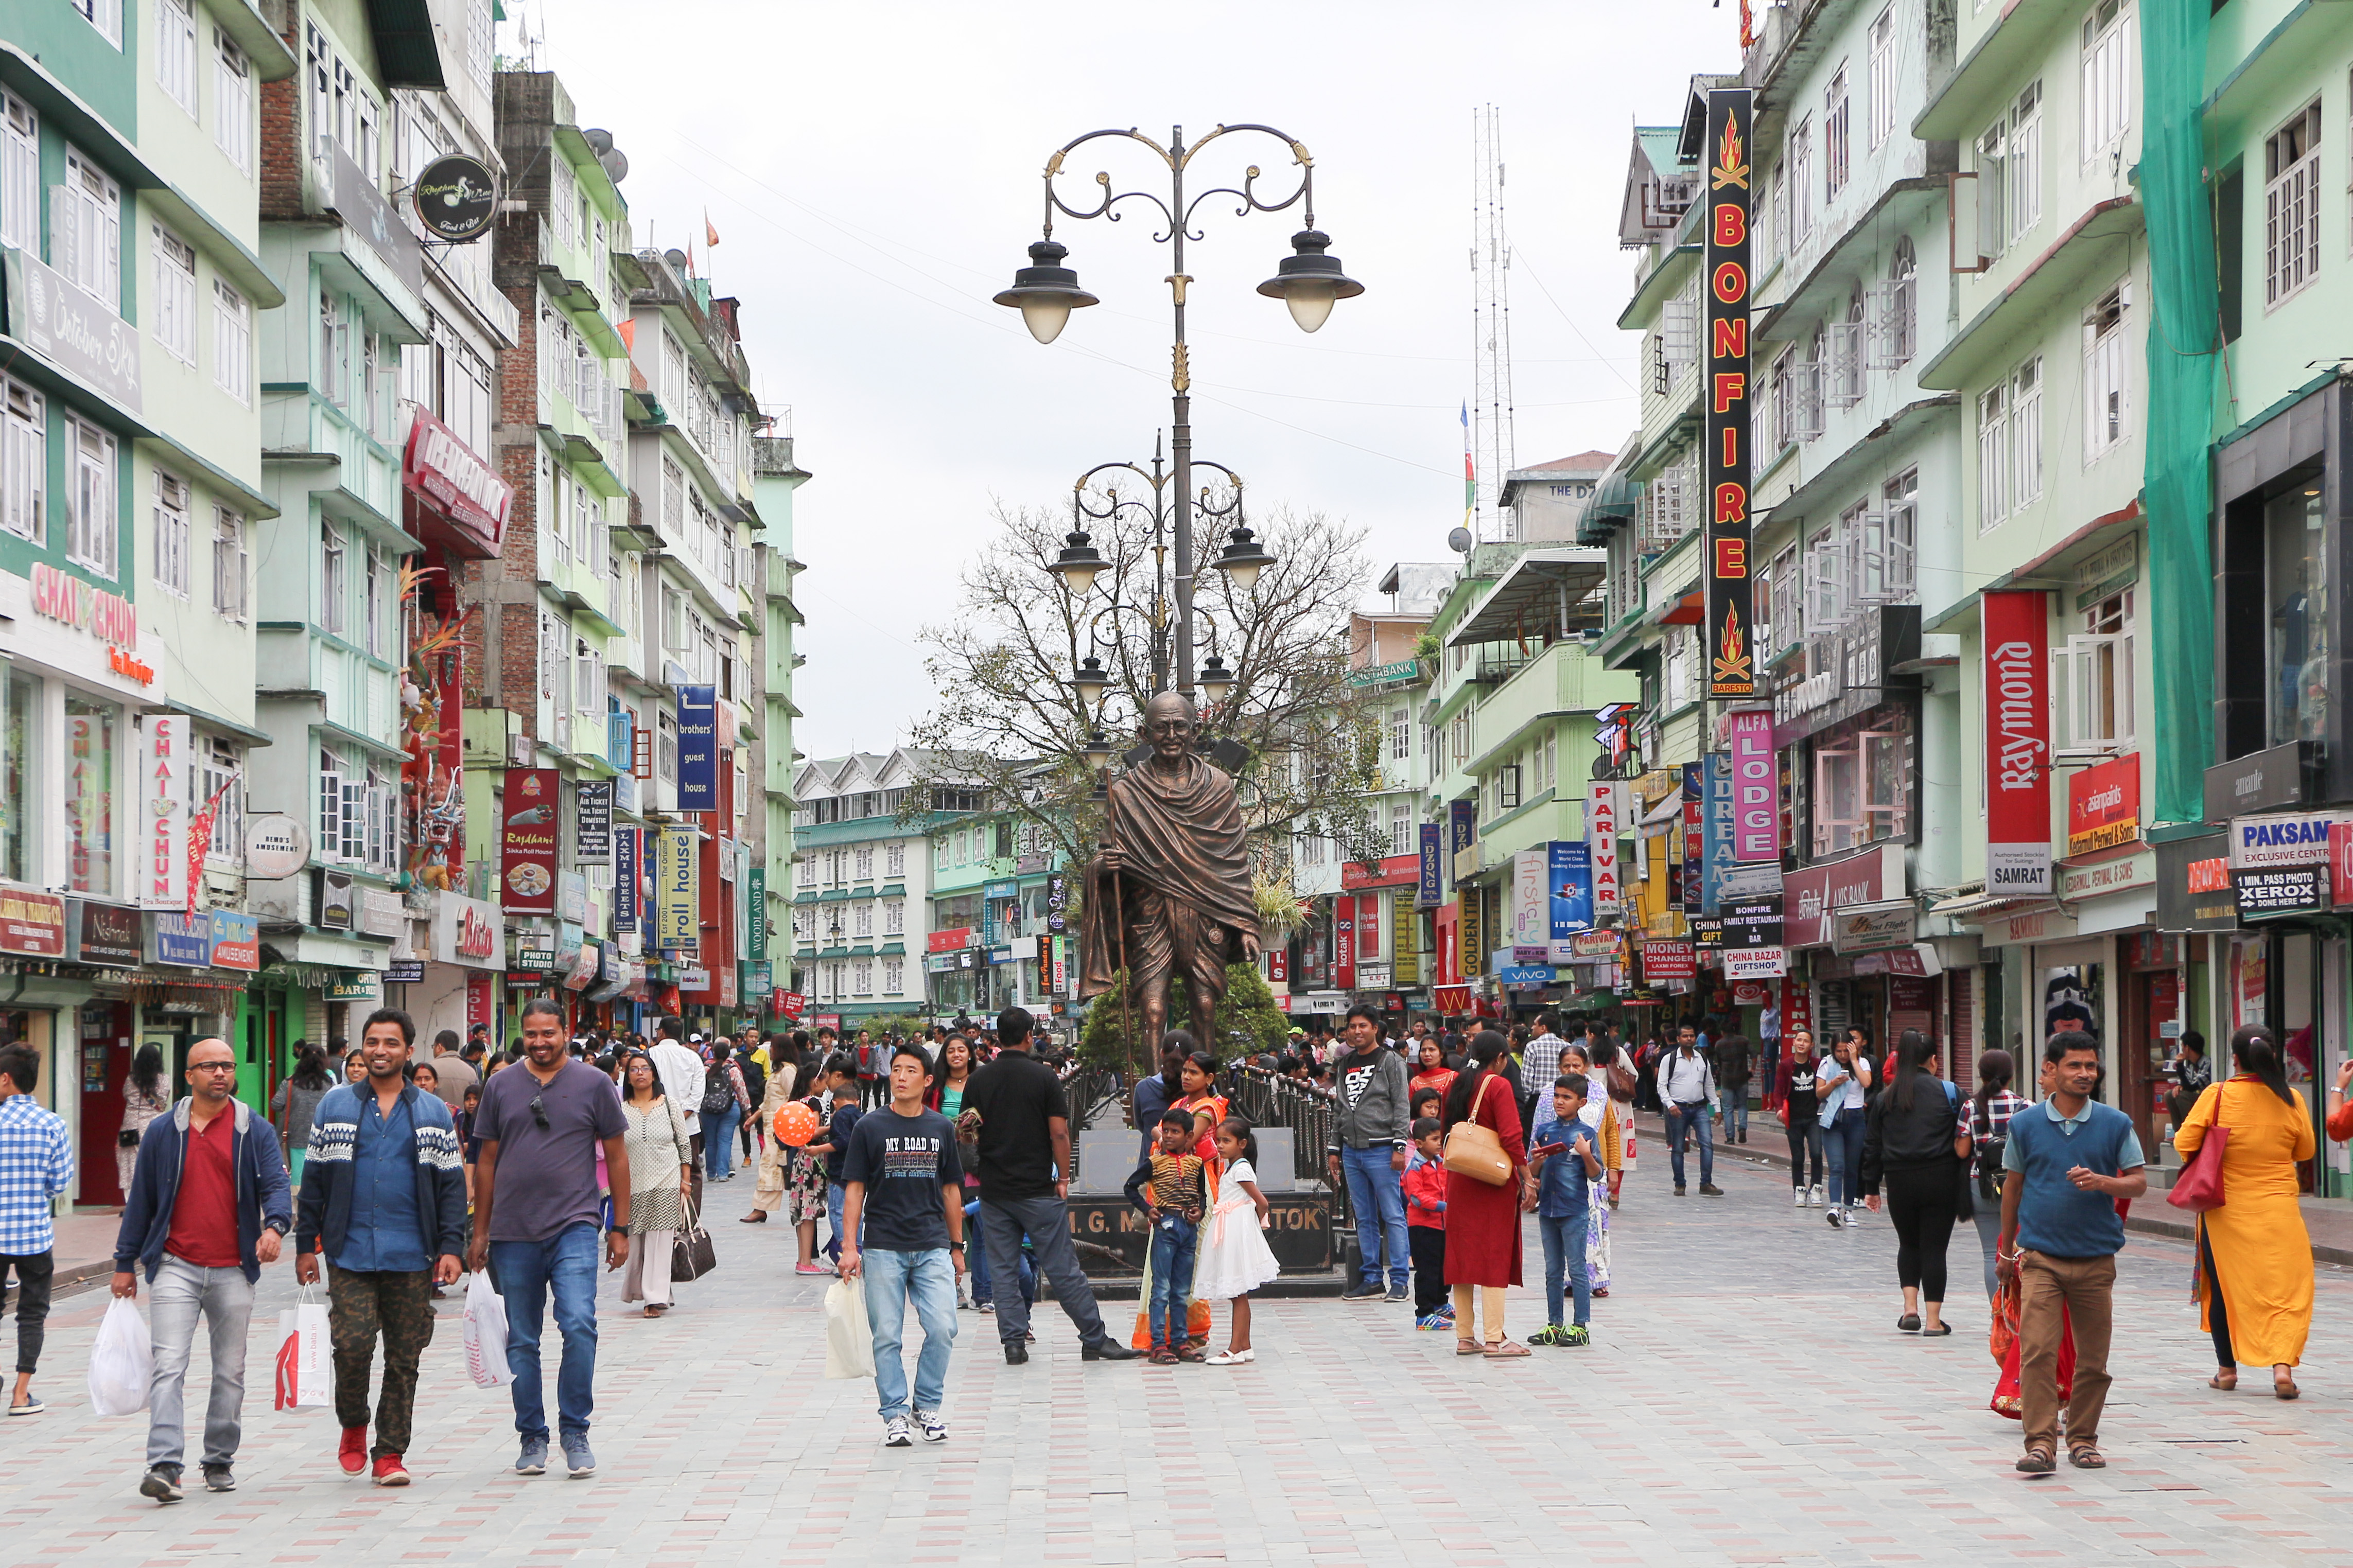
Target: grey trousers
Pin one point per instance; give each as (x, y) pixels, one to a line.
(1046, 1223)
(224, 1298)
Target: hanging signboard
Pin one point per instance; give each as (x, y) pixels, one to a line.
(592, 833)
(698, 748)
(1730, 650)
(1601, 840)
(678, 889)
(165, 755)
(1431, 890)
(1756, 787)
(625, 881)
(2017, 742)
(528, 842)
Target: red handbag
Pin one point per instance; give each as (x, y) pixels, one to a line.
(2199, 1186)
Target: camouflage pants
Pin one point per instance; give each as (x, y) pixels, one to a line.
(361, 1305)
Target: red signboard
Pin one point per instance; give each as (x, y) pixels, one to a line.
(2212, 876)
(1344, 944)
(1278, 964)
(1395, 871)
(460, 484)
(1669, 961)
(791, 1003)
(955, 940)
(2104, 806)
(478, 999)
(528, 841)
(1807, 898)
(32, 923)
(2017, 628)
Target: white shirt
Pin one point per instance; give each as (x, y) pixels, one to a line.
(680, 1070)
(1686, 1080)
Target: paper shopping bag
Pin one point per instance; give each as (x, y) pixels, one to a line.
(306, 1360)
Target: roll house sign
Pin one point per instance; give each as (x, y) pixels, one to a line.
(1731, 650)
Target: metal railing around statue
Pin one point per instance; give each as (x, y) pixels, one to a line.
(1268, 1099)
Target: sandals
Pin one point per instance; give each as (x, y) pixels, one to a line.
(1505, 1349)
(2085, 1457)
(1466, 1347)
(2225, 1381)
(1938, 1332)
(1232, 1358)
(2037, 1461)
(2285, 1388)
(1908, 1323)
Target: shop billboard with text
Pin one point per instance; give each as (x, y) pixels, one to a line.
(528, 841)
(2017, 742)
(1727, 191)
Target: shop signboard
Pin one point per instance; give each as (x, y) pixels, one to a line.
(533, 954)
(2296, 890)
(183, 941)
(528, 841)
(466, 932)
(1601, 825)
(678, 891)
(105, 936)
(370, 218)
(356, 985)
(949, 941)
(698, 748)
(625, 880)
(1531, 897)
(71, 327)
(436, 463)
(1755, 786)
(755, 915)
(2118, 874)
(1874, 928)
(331, 905)
(276, 846)
(1729, 157)
(2017, 742)
(1430, 890)
(571, 897)
(2104, 806)
(592, 830)
(237, 941)
(2193, 880)
(1525, 974)
(792, 1003)
(166, 752)
(376, 911)
(1568, 882)
(1754, 963)
(404, 972)
(1405, 940)
(1675, 960)
(1468, 927)
(1715, 828)
(2281, 840)
(1752, 923)
(1462, 838)
(1810, 897)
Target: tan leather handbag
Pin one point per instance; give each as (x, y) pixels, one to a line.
(1475, 1150)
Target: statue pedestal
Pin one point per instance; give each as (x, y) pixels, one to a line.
(1112, 1238)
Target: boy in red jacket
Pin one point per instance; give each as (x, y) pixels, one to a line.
(1425, 1227)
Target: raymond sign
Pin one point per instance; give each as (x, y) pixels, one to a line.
(2017, 742)
(2104, 806)
(1731, 651)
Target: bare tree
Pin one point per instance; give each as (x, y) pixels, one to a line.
(1008, 719)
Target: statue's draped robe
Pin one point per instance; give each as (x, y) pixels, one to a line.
(1181, 901)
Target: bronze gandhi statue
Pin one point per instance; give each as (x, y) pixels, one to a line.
(1171, 890)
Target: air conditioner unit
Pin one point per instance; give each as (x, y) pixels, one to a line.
(519, 751)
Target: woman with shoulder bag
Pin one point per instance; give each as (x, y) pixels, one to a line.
(1840, 1080)
(293, 1106)
(1485, 1156)
(145, 1098)
(661, 1170)
(2254, 1256)
(1990, 1112)
(1914, 1140)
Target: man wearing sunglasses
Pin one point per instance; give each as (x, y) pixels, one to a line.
(536, 1212)
(208, 1205)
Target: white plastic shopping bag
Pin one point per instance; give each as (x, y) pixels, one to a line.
(486, 1333)
(306, 1360)
(849, 1337)
(120, 1362)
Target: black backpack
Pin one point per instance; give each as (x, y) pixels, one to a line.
(718, 1094)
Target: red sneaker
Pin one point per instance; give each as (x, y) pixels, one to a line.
(389, 1471)
(351, 1454)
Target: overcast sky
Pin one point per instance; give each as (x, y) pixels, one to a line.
(872, 170)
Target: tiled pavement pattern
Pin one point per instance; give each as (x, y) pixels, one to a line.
(1745, 1401)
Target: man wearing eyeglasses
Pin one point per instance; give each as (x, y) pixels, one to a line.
(536, 1212)
(208, 1205)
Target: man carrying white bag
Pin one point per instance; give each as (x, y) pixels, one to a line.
(208, 1205)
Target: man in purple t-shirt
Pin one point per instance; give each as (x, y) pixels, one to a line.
(536, 1223)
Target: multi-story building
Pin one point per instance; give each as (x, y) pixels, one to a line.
(131, 484)
(866, 941)
(773, 758)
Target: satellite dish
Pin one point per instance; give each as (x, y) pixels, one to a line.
(600, 140)
(616, 165)
(676, 258)
(1460, 542)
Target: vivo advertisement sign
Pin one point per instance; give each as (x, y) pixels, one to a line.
(698, 748)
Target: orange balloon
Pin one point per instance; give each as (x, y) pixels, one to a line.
(796, 1123)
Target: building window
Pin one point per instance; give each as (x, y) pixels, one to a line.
(2297, 653)
(1844, 376)
(895, 917)
(1862, 783)
(106, 16)
(1400, 734)
(861, 978)
(20, 776)
(2292, 206)
(20, 173)
(2107, 401)
(1901, 540)
(865, 863)
(2098, 676)
(171, 541)
(335, 350)
(1835, 153)
(218, 784)
(863, 921)
(175, 296)
(1400, 829)
(90, 528)
(232, 101)
(1882, 76)
(92, 826)
(24, 460)
(176, 52)
(2010, 444)
(894, 860)
(86, 231)
(2108, 76)
(1781, 388)
(1895, 332)
(1800, 161)
(334, 582)
(230, 565)
(480, 58)
(894, 977)
(232, 343)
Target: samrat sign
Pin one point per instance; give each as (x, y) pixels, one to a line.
(1731, 653)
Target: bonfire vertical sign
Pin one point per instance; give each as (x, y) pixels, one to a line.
(1731, 646)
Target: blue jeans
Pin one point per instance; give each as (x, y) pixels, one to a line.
(1735, 1110)
(525, 1271)
(719, 1142)
(1172, 1241)
(1681, 1120)
(836, 1197)
(1564, 1248)
(977, 1248)
(1842, 1147)
(1378, 1200)
(894, 1282)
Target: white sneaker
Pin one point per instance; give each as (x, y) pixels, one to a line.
(1819, 1195)
(929, 1424)
(895, 1434)
(1799, 1193)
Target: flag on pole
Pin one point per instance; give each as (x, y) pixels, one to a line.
(1470, 477)
(200, 839)
(709, 235)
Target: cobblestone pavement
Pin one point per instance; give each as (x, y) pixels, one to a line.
(1745, 1401)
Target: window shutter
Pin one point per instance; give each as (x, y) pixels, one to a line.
(65, 249)
(355, 820)
(331, 813)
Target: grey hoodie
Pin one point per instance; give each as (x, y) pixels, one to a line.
(1373, 1100)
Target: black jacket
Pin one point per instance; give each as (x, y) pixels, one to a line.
(1895, 1139)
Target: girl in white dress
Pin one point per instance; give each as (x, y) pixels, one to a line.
(1234, 1258)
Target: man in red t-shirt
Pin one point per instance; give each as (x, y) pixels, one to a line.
(202, 1217)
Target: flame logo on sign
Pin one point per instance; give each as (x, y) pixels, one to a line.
(1732, 662)
(1729, 168)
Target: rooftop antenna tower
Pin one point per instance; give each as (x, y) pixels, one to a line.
(1490, 309)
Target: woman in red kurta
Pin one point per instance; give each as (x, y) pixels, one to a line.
(1483, 1222)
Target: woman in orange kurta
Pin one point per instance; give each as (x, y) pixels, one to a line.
(2254, 1274)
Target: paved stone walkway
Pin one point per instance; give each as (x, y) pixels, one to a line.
(1745, 1401)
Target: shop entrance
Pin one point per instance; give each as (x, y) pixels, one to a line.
(103, 1056)
(2151, 1035)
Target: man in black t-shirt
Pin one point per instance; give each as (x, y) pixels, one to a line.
(903, 1179)
(1015, 1110)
